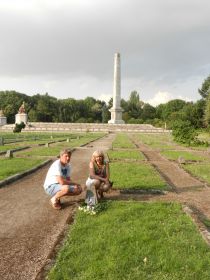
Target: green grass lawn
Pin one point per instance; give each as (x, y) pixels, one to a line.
(199, 170)
(118, 154)
(157, 141)
(52, 150)
(13, 146)
(55, 148)
(12, 166)
(132, 175)
(174, 155)
(133, 241)
(122, 141)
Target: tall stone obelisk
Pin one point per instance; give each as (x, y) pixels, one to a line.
(116, 110)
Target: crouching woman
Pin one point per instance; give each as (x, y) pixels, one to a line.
(98, 180)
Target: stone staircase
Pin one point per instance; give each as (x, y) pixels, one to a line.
(85, 127)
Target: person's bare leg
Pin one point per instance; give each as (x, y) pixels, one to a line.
(96, 186)
(64, 191)
(100, 191)
(55, 200)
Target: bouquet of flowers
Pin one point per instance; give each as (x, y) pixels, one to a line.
(93, 209)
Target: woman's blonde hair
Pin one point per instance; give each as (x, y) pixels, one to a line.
(97, 153)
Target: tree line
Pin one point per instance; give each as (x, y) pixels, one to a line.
(45, 108)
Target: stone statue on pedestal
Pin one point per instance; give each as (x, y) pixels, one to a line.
(21, 116)
(22, 109)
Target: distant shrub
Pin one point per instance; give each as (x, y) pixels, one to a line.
(19, 127)
(135, 121)
(183, 132)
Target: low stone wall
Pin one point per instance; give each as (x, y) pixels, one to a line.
(86, 127)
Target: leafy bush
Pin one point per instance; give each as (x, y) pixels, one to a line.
(183, 132)
(19, 127)
(135, 121)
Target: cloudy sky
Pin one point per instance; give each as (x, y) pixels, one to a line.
(67, 47)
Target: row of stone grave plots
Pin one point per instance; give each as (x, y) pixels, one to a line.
(4, 142)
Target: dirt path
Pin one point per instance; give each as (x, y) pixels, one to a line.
(177, 177)
(30, 228)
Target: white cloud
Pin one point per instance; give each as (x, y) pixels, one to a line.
(159, 98)
(162, 97)
(105, 97)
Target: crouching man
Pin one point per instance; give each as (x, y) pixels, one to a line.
(58, 182)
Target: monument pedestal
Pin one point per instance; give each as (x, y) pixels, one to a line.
(21, 117)
(116, 116)
(3, 120)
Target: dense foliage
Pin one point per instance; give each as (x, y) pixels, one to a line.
(18, 127)
(45, 108)
(183, 132)
(205, 89)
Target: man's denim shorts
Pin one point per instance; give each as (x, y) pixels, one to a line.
(54, 188)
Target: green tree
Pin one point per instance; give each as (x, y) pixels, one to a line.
(134, 105)
(207, 112)
(69, 110)
(46, 108)
(105, 114)
(194, 113)
(148, 112)
(205, 88)
(165, 110)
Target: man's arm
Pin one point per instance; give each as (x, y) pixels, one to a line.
(67, 181)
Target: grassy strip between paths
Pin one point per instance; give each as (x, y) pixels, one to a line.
(132, 241)
(125, 155)
(157, 141)
(12, 166)
(122, 141)
(174, 155)
(135, 176)
(199, 170)
(54, 149)
(12, 147)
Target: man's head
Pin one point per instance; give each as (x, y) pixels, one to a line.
(65, 156)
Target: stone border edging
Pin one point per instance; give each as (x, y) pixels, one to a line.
(15, 150)
(17, 176)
